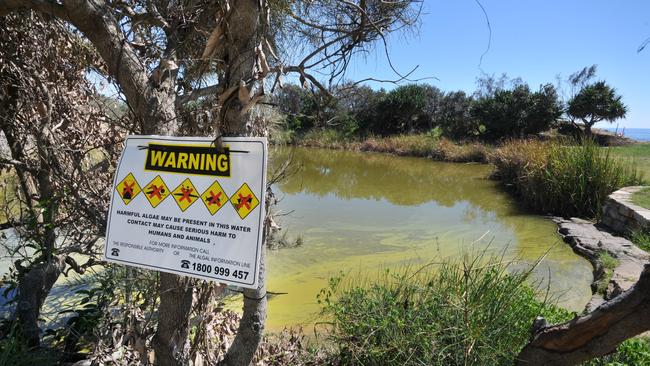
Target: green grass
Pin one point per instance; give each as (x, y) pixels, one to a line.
(638, 153)
(609, 264)
(641, 239)
(642, 198)
(561, 179)
(475, 311)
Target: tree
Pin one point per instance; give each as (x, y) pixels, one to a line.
(454, 118)
(403, 110)
(517, 112)
(594, 103)
(165, 56)
(59, 144)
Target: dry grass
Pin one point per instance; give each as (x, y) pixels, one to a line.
(420, 145)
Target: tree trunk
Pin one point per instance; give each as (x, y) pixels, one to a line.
(595, 334)
(170, 340)
(243, 35)
(251, 325)
(33, 288)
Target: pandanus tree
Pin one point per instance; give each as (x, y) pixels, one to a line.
(594, 103)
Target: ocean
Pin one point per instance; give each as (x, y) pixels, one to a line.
(639, 134)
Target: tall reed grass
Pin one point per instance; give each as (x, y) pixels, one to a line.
(475, 311)
(563, 179)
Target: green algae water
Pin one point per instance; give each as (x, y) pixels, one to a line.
(358, 213)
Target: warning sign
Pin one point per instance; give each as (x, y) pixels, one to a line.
(185, 194)
(214, 197)
(128, 188)
(244, 201)
(156, 191)
(213, 240)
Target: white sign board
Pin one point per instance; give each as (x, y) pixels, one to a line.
(181, 205)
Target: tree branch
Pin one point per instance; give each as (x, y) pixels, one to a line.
(595, 334)
(197, 93)
(44, 6)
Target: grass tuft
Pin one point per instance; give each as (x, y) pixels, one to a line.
(565, 180)
(474, 311)
(609, 263)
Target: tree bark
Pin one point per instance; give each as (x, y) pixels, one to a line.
(251, 325)
(595, 334)
(32, 291)
(243, 35)
(154, 105)
(170, 340)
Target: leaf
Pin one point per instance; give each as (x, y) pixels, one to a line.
(41, 108)
(244, 94)
(211, 44)
(263, 63)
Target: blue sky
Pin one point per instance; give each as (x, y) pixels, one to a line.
(532, 40)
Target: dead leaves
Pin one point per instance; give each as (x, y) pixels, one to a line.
(213, 41)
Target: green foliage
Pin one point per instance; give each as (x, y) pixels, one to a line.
(402, 110)
(453, 116)
(641, 238)
(632, 352)
(517, 112)
(596, 102)
(561, 179)
(607, 260)
(472, 312)
(15, 352)
(609, 263)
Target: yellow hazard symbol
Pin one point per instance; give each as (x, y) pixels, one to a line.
(244, 201)
(128, 188)
(156, 191)
(214, 197)
(185, 194)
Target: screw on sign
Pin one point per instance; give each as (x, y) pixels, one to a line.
(128, 188)
(156, 191)
(184, 194)
(214, 197)
(244, 201)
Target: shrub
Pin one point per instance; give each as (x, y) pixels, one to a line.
(562, 179)
(403, 110)
(453, 116)
(475, 311)
(633, 352)
(517, 112)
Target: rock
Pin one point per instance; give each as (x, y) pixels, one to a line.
(621, 215)
(589, 240)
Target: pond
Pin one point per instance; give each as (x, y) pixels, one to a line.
(358, 213)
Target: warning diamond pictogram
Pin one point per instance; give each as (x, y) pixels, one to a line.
(214, 197)
(156, 191)
(128, 188)
(185, 194)
(244, 201)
